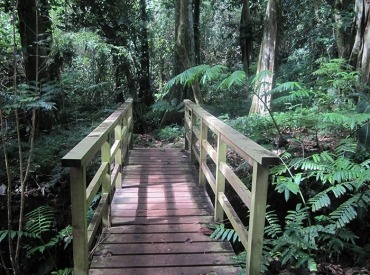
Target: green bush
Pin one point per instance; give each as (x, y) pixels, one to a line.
(170, 133)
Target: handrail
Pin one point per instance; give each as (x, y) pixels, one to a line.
(113, 152)
(198, 122)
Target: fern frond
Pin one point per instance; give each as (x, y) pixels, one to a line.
(350, 120)
(346, 212)
(346, 146)
(187, 77)
(222, 233)
(320, 201)
(236, 78)
(212, 73)
(39, 220)
(273, 229)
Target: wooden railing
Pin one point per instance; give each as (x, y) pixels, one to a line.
(202, 129)
(110, 141)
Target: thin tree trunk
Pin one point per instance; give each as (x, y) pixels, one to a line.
(196, 24)
(266, 62)
(144, 83)
(245, 29)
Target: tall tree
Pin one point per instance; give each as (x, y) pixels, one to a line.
(35, 33)
(360, 55)
(266, 61)
(342, 27)
(184, 58)
(245, 29)
(145, 93)
(196, 9)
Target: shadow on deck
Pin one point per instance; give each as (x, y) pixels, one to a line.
(158, 219)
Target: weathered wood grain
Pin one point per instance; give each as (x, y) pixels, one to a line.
(159, 221)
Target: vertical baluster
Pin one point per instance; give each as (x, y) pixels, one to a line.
(220, 178)
(130, 142)
(106, 184)
(202, 152)
(193, 138)
(118, 155)
(79, 222)
(256, 222)
(187, 128)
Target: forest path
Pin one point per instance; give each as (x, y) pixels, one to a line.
(159, 219)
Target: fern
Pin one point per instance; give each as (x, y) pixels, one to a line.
(65, 235)
(222, 233)
(212, 73)
(39, 220)
(236, 78)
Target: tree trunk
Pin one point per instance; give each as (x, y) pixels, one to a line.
(343, 33)
(266, 61)
(145, 93)
(360, 55)
(35, 33)
(196, 24)
(184, 59)
(246, 32)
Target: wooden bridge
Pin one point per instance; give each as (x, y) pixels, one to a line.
(154, 209)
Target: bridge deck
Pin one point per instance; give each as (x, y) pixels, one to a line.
(158, 220)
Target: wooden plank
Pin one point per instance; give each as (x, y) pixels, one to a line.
(159, 213)
(211, 270)
(154, 180)
(234, 219)
(159, 188)
(139, 184)
(154, 228)
(160, 220)
(150, 169)
(168, 194)
(182, 237)
(209, 176)
(163, 248)
(210, 150)
(212, 259)
(159, 200)
(239, 187)
(168, 206)
(95, 183)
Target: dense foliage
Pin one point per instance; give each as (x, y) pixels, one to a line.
(66, 64)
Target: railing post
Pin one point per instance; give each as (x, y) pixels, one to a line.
(118, 156)
(256, 222)
(187, 128)
(193, 137)
(220, 178)
(130, 127)
(106, 184)
(79, 220)
(202, 152)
